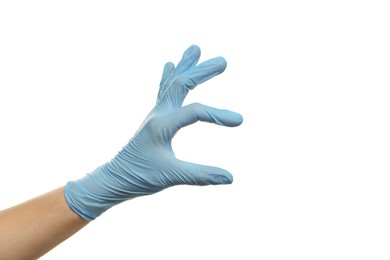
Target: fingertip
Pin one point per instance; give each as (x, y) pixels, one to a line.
(232, 118)
(217, 176)
(169, 66)
(238, 119)
(195, 47)
(212, 67)
(168, 70)
(217, 179)
(221, 64)
(229, 178)
(193, 50)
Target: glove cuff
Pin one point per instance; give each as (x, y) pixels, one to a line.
(89, 196)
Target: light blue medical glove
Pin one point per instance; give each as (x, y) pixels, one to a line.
(147, 163)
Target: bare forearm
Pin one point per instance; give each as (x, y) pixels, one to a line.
(29, 230)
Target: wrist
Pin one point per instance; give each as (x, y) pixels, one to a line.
(92, 195)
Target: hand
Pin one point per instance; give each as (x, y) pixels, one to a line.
(147, 163)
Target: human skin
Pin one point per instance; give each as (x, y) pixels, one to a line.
(145, 166)
(31, 229)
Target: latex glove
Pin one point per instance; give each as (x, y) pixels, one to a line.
(147, 163)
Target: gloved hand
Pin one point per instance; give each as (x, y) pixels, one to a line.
(147, 163)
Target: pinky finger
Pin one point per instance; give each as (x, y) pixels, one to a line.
(168, 70)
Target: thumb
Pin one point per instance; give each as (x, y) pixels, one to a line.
(197, 174)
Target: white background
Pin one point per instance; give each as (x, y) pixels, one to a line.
(310, 162)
